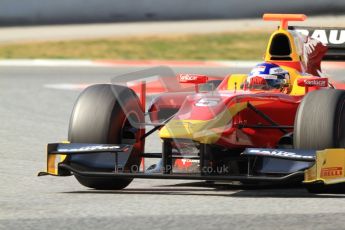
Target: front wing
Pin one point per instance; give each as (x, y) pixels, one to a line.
(277, 165)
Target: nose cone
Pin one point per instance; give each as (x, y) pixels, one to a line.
(207, 131)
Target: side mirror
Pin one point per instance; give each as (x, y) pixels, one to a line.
(193, 79)
(312, 82)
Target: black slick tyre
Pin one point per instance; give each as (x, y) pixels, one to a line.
(320, 120)
(320, 124)
(104, 114)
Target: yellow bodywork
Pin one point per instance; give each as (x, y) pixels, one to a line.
(53, 162)
(235, 81)
(295, 90)
(210, 131)
(295, 54)
(203, 131)
(328, 168)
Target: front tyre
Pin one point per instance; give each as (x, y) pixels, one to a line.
(320, 124)
(106, 114)
(320, 120)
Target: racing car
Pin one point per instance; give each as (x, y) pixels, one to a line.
(282, 123)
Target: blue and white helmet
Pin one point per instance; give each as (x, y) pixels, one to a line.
(274, 76)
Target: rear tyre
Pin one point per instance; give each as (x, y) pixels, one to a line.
(103, 115)
(320, 120)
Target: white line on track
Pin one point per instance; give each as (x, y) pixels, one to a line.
(48, 63)
(66, 86)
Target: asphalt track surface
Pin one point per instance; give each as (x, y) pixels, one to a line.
(32, 115)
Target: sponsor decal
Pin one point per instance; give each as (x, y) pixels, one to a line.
(187, 77)
(326, 36)
(269, 77)
(258, 69)
(331, 172)
(277, 70)
(314, 82)
(264, 76)
(279, 153)
(90, 148)
(207, 102)
(193, 78)
(185, 161)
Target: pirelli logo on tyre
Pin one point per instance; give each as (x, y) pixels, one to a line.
(331, 172)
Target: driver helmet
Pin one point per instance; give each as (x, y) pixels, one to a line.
(267, 76)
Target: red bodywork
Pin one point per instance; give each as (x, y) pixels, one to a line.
(265, 117)
(281, 108)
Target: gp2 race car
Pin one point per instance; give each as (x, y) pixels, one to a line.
(236, 132)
